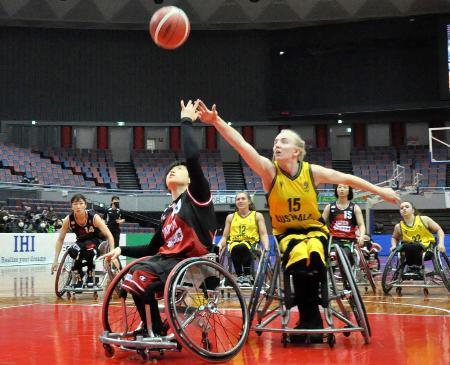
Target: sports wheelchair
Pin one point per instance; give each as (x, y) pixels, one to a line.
(361, 270)
(226, 261)
(396, 273)
(196, 315)
(344, 300)
(64, 275)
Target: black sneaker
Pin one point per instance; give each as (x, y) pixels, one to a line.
(140, 332)
(161, 329)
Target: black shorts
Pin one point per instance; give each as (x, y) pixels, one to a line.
(158, 265)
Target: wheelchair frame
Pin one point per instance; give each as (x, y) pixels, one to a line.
(361, 271)
(437, 278)
(191, 316)
(64, 275)
(261, 304)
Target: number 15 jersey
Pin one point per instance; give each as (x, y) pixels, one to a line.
(292, 201)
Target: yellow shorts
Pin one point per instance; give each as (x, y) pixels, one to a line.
(310, 242)
(249, 245)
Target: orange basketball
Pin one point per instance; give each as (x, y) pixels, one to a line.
(169, 27)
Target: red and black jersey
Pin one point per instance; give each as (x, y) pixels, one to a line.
(85, 231)
(188, 223)
(187, 227)
(343, 221)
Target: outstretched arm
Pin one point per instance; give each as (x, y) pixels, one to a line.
(199, 186)
(261, 165)
(330, 176)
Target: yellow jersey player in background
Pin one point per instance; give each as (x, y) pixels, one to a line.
(243, 230)
(416, 233)
(290, 184)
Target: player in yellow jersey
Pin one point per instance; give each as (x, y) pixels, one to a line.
(416, 233)
(243, 230)
(290, 184)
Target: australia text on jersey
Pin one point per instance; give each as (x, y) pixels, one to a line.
(292, 217)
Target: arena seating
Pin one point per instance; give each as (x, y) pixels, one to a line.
(417, 159)
(95, 168)
(374, 163)
(94, 164)
(151, 166)
(22, 162)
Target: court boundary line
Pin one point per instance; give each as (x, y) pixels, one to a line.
(371, 313)
(412, 305)
(19, 306)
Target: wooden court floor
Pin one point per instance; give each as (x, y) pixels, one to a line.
(38, 328)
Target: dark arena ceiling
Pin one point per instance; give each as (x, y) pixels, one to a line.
(209, 14)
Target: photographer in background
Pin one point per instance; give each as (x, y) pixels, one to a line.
(4, 221)
(114, 219)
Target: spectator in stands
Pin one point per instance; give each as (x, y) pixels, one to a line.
(186, 230)
(51, 215)
(89, 229)
(4, 220)
(243, 230)
(343, 218)
(416, 234)
(28, 213)
(58, 225)
(18, 226)
(114, 219)
(290, 184)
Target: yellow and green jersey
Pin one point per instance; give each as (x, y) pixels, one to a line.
(418, 232)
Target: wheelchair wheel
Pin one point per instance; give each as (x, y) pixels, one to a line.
(118, 309)
(355, 300)
(63, 275)
(364, 267)
(442, 266)
(391, 271)
(260, 280)
(201, 320)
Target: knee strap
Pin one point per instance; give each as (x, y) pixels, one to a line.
(74, 251)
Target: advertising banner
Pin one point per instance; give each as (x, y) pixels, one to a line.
(34, 248)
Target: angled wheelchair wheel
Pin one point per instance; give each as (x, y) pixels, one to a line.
(63, 275)
(119, 312)
(354, 299)
(441, 264)
(203, 322)
(364, 268)
(391, 272)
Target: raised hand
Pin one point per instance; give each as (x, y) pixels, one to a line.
(389, 195)
(208, 116)
(190, 110)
